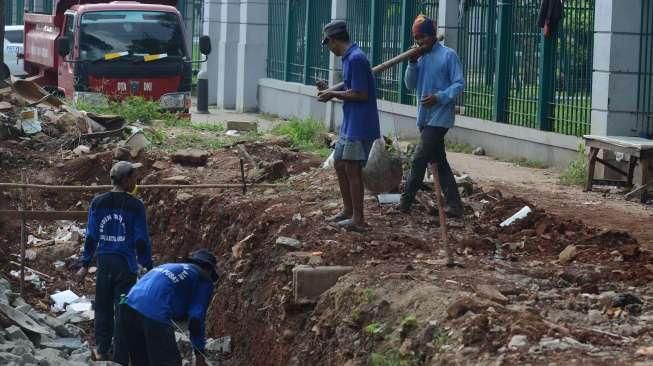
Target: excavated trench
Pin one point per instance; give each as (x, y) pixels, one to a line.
(400, 303)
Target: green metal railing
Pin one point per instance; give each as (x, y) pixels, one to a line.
(276, 38)
(477, 51)
(382, 29)
(517, 76)
(295, 31)
(513, 73)
(645, 83)
(571, 102)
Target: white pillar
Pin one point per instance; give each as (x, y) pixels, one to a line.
(616, 65)
(252, 53)
(211, 28)
(338, 12)
(448, 12)
(228, 53)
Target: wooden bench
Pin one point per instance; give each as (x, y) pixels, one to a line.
(640, 151)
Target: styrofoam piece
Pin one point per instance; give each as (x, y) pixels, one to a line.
(518, 215)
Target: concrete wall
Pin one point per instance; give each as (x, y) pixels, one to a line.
(398, 120)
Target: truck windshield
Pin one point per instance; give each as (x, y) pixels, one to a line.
(136, 32)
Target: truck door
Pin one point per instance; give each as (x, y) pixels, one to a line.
(66, 69)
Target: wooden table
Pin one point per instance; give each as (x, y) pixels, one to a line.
(640, 151)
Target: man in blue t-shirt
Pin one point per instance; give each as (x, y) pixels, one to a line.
(117, 234)
(360, 124)
(145, 330)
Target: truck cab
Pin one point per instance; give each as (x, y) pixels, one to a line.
(95, 52)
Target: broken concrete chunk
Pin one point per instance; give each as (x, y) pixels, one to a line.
(568, 254)
(492, 293)
(160, 165)
(518, 341)
(221, 345)
(7, 358)
(183, 196)
(14, 333)
(241, 126)
(289, 242)
(310, 282)
(81, 150)
(192, 157)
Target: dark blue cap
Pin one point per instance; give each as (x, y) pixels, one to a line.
(204, 257)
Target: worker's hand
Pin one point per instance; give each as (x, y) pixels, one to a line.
(200, 360)
(429, 101)
(325, 96)
(81, 274)
(321, 85)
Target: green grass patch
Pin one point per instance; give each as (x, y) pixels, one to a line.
(368, 295)
(133, 109)
(576, 171)
(185, 141)
(459, 147)
(528, 163)
(304, 134)
(207, 127)
(374, 328)
(390, 358)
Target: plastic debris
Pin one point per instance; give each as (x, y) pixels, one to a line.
(517, 216)
(61, 299)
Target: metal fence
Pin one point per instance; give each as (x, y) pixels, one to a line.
(539, 82)
(645, 83)
(382, 30)
(513, 73)
(294, 35)
(192, 12)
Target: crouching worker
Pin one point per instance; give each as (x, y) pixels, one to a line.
(145, 331)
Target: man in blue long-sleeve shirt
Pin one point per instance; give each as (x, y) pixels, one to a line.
(117, 234)
(438, 77)
(145, 333)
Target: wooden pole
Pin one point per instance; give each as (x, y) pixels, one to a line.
(140, 187)
(391, 62)
(387, 64)
(22, 257)
(444, 234)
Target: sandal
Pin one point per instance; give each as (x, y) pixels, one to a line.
(339, 217)
(349, 225)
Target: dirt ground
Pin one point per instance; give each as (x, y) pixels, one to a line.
(512, 301)
(595, 208)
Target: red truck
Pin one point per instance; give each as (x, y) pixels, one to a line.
(91, 50)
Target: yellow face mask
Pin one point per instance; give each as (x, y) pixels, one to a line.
(135, 190)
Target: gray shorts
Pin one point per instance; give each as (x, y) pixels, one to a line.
(357, 150)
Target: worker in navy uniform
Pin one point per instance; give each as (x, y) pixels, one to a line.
(172, 292)
(117, 236)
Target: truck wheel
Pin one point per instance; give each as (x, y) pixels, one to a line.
(4, 71)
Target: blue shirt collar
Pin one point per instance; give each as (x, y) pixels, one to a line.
(351, 49)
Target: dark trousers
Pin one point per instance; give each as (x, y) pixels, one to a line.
(431, 150)
(143, 341)
(113, 278)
